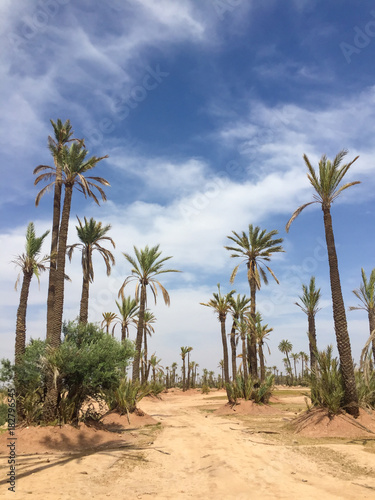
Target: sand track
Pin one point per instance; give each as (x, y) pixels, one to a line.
(196, 454)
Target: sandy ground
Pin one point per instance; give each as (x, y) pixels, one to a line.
(200, 453)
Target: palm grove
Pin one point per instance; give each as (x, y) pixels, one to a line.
(56, 375)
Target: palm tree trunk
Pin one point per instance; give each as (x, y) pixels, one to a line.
(145, 353)
(84, 306)
(261, 362)
(225, 357)
(54, 249)
(60, 272)
(244, 359)
(233, 349)
(252, 345)
(52, 396)
(183, 375)
(188, 373)
(138, 341)
(339, 318)
(21, 318)
(371, 319)
(312, 342)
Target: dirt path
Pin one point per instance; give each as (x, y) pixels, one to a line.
(198, 455)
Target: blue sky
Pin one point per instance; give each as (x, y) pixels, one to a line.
(205, 110)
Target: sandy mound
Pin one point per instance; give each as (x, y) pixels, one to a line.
(113, 432)
(317, 423)
(246, 408)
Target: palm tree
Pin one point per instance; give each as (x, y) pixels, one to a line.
(286, 347)
(91, 234)
(108, 318)
(188, 364)
(128, 309)
(295, 358)
(74, 168)
(30, 265)
(327, 188)
(310, 300)
(222, 304)
(243, 329)
(261, 334)
(154, 362)
(304, 359)
(146, 266)
(184, 351)
(255, 249)
(174, 367)
(148, 320)
(366, 294)
(239, 307)
(63, 134)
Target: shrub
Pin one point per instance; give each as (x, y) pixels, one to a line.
(205, 389)
(251, 390)
(327, 389)
(125, 397)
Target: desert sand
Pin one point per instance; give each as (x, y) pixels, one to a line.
(190, 445)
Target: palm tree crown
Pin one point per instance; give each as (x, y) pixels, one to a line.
(28, 261)
(255, 249)
(310, 298)
(326, 182)
(365, 293)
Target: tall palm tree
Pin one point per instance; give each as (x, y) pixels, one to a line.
(188, 364)
(261, 334)
(74, 168)
(128, 309)
(255, 249)
(243, 329)
(309, 305)
(295, 357)
(91, 234)
(174, 367)
(327, 187)
(304, 359)
(239, 307)
(30, 265)
(148, 320)
(63, 134)
(154, 362)
(108, 319)
(285, 346)
(366, 294)
(221, 304)
(146, 266)
(183, 353)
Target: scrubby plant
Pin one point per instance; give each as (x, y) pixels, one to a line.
(205, 389)
(327, 390)
(87, 363)
(250, 389)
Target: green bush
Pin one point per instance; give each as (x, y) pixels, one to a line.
(205, 389)
(87, 363)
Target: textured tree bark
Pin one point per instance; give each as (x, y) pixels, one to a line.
(21, 317)
(261, 363)
(138, 342)
(84, 306)
(244, 360)
(225, 356)
(252, 345)
(339, 318)
(60, 272)
(371, 319)
(312, 341)
(54, 249)
(233, 349)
